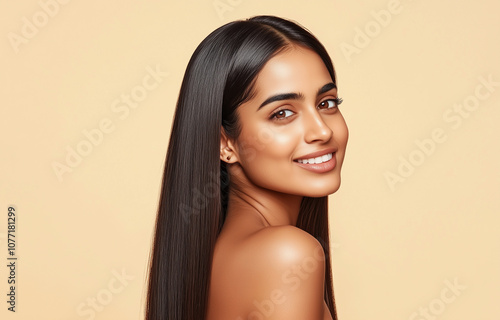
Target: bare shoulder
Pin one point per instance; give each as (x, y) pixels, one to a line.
(286, 244)
(286, 268)
(272, 273)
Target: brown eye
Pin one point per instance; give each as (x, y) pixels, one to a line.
(330, 103)
(282, 114)
(327, 104)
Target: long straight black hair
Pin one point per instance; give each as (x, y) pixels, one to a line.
(219, 77)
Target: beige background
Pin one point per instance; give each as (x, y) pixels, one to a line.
(395, 245)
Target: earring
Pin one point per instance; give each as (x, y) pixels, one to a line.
(228, 158)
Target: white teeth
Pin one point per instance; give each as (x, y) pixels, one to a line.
(320, 159)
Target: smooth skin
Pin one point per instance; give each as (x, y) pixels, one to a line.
(264, 267)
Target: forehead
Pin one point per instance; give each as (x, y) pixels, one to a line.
(296, 69)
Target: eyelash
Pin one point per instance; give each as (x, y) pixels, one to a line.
(337, 102)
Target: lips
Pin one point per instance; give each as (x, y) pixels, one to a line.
(319, 156)
(319, 162)
(320, 168)
(320, 159)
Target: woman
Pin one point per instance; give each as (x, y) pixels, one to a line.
(257, 145)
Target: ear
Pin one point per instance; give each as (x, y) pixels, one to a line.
(227, 148)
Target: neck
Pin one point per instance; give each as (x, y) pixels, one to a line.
(269, 207)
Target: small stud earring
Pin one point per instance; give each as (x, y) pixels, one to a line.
(228, 157)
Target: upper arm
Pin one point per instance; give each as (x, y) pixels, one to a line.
(288, 275)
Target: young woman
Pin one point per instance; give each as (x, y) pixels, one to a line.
(257, 145)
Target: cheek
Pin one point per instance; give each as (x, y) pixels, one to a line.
(341, 136)
(340, 131)
(344, 133)
(265, 148)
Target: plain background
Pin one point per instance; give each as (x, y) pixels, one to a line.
(395, 245)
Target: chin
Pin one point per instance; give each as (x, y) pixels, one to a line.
(322, 191)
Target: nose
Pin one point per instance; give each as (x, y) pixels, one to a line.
(316, 129)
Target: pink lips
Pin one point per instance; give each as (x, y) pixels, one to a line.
(317, 154)
(319, 167)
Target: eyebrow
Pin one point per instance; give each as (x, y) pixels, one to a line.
(296, 96)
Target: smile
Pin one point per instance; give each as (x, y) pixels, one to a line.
(321, 159)
(320, 164)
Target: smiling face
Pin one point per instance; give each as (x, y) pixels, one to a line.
(293, 136)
